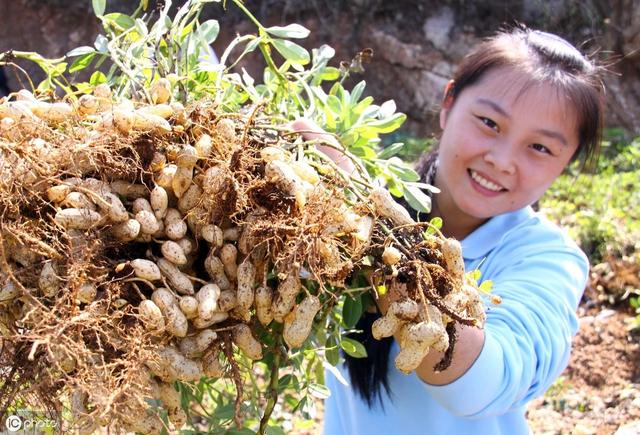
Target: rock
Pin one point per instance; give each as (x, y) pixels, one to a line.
(583, 429)
(437, 27)
(604, 314)
(632, 428)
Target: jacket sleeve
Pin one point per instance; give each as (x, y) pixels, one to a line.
(527, 337)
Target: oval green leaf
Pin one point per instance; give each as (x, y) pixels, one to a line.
(290, 31)
(101, 44)
(356, 92)
(417, 199)
(387, 125)
(486, 286)
(291, 51)
(122, 21)
(98, 6)
(404, 172)
(97, 78)
(351, 311)
(79, 51)
(387, 108)
(390, 150)
(318, 390)
(208, 31)
(332, 353)
(330, 73)
(274, 430)
(353, 348)
(82, 62)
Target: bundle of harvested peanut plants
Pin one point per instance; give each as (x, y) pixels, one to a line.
(149, 241)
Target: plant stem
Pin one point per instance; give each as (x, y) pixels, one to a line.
(263, 46)
(255, 21)
(273, 390)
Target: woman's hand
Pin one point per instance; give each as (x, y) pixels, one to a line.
(311, 131)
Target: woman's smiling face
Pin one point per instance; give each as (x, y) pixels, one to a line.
(504, 142)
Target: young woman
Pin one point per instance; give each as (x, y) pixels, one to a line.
(521, 107)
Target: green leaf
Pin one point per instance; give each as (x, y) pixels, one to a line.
(58, 69)
(436, 222)
(45, 85)
(387, 109)
(301, 404)
(319, 391)
(330, 118)
(82, 62)
(243, 431)
(394, 185)
(424, 186)
(356, 92)
(387, 125)
(474, 275)
(330, 73)
(208, 31)
(360, 108)
(417, 199)
(274, 430)
(295, 31)
(284, 382)
(97, 78)
(404, 172)
(369, 112)
(353, 348)
(365, 152)
(98, 6)
(318, 370)
(486, 286)
(101, 44)
(252, 45)
(83, 88)
(332, 353)
(141, 27)
(122, 21)
(351, 311)
(337, 90)
(224, 412)
(334, 104)
(390, 150)
(291, 51)
(79, 51)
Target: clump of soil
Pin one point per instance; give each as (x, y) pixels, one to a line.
(599, 392)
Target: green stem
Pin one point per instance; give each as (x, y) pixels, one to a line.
(239, 4)
(273, 390)
(270, 63)
(263, 49)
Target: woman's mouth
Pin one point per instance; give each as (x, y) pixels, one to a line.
(485, 184)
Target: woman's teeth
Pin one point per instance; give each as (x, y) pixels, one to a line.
(485, 183)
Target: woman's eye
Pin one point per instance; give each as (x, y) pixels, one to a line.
(488, 122)
(541, 148)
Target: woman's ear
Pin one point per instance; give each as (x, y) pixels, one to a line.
(447, 102)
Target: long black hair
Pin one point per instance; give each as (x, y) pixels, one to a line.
(545, 58)
(4, 87)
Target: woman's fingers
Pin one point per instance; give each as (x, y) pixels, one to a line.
(333, 149)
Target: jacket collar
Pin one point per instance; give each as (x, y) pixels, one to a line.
(486, 237)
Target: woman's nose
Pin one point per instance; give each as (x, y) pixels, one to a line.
(502, 157)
